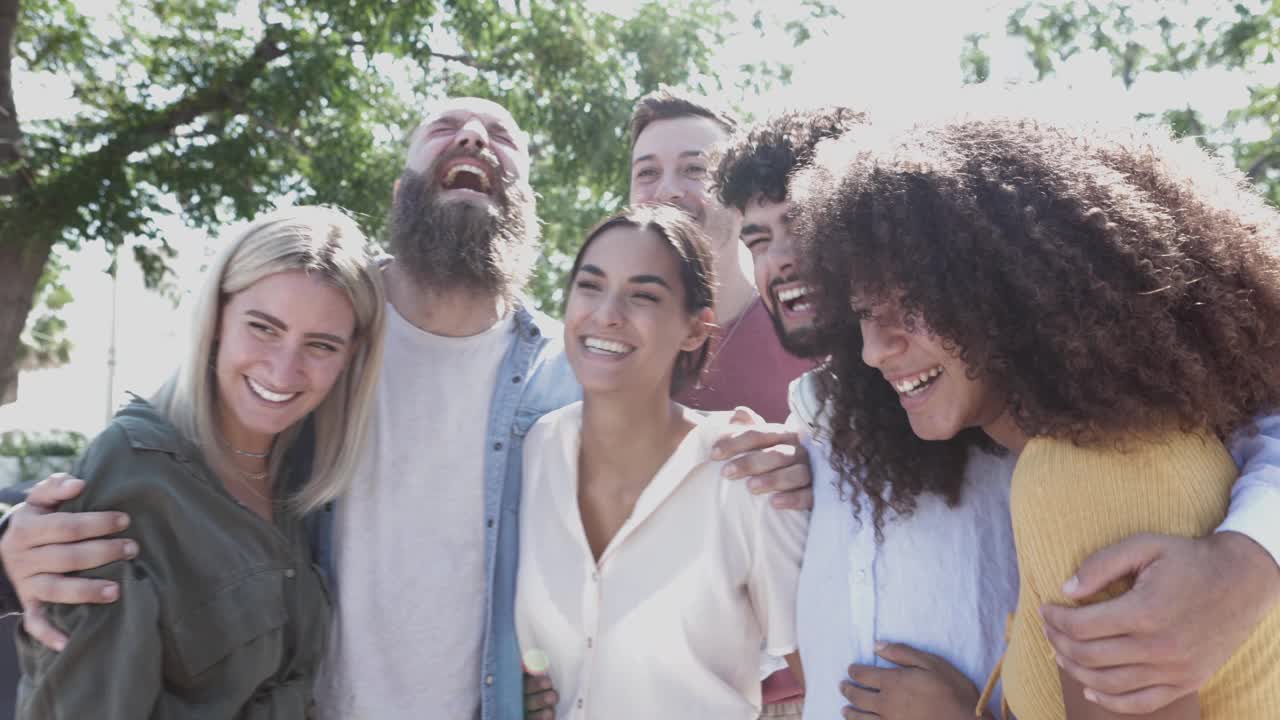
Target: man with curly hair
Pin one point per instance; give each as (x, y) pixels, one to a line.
(962, 550)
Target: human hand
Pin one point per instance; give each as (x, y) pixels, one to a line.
(770, 456)
(540, 697)
(1192, 604)
(922, 687)
(41, 545)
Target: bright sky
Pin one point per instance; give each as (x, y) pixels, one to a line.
(893, 59)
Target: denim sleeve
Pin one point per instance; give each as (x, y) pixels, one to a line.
(1255, 498)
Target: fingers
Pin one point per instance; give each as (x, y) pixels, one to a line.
(66, 590)
(29, 527)
(1097, 653)
(801, 499)
(545, 700)
(905, 655)
(1115, 681)
(78, 556)
(738, 441)
(39, 627)
(54, 490)
(743, 415)
(863, 702)
(1119, 616)
(1141, 702)
(1114, 563)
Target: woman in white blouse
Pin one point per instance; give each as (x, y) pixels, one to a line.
(647, 582)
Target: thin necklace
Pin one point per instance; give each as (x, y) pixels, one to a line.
(715, 353)
(244, 478)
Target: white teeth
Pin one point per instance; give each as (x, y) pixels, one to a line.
(610, 346)
(802, 307)
(909, 385)
(792, 293)
(468, 168)
(266, 394)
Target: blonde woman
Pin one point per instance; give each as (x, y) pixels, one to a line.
(221, 614)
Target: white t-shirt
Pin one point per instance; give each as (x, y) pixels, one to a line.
(409, 538)
(669, 623)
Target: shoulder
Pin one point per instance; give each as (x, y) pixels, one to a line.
(556, 423)
(136, 456)
(551, 382)
(1127, 463)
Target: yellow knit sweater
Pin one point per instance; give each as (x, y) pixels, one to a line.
(1068, 502)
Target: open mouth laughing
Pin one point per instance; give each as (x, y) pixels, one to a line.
(915, 385)
(605, 347)
(468, 173)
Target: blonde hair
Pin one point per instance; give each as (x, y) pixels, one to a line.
(325, 243)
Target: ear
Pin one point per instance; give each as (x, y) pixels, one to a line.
(699, 330)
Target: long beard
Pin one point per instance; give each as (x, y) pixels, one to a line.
(450, 245)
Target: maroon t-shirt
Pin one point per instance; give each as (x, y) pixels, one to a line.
(748, 367)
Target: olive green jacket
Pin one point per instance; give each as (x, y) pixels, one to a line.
(222, 615)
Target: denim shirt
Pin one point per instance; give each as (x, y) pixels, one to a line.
(533, 379)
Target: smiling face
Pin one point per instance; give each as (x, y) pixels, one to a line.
(766, 231)
(670, 164)
(625, 319)
(282, 344)
(930, 379)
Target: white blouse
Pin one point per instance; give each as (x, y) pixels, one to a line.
(670, 622)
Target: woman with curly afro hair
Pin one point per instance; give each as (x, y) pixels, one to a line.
(1107, 308)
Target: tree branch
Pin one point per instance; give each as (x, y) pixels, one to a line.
(154, 126)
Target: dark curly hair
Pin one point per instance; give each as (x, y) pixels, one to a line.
(1108, 285)
(692, 249)
(761, 159)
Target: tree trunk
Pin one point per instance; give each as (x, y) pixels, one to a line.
(21, 262)
(21, 259)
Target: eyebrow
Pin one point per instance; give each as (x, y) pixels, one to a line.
(644, 279)
(273, 320)
(654, 156)
(753, 229)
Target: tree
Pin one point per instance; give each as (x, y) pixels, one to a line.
(1146, 36)
(192, 107)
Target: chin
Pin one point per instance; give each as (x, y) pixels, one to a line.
(933, 432)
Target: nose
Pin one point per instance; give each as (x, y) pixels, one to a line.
(781, 256)
(668, 189)
(286, 367)
(472, 136)
(881, 342)
(609, 312)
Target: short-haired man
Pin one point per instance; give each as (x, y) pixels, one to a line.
(421, 555)
(939, 584)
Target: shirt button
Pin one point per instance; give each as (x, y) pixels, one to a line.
(588, 643)
(289, 573)
(490, 522)
(516, 379)
(497, 446)
(579, 703)
(488, 679)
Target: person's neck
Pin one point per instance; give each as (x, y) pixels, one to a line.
(450, 312)
(735, 288)
(1006, 432)
(625, 439)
